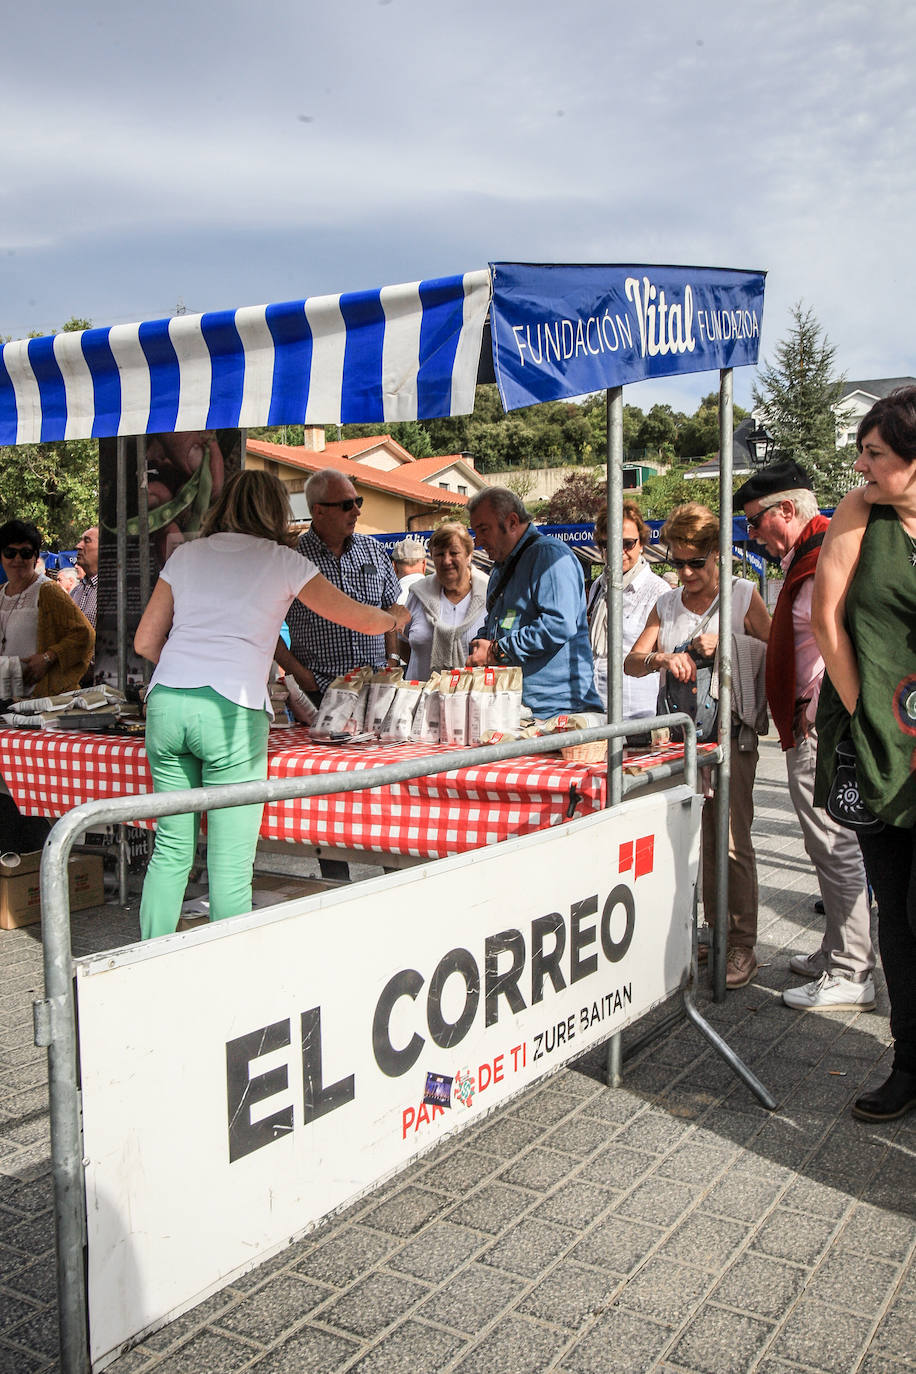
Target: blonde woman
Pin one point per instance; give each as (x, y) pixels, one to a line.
(210, 628)
(447, 607)
(691, 533)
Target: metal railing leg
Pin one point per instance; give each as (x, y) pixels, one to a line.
(724, 1050)
(615, 1061)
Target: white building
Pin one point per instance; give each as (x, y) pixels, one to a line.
(857, 400)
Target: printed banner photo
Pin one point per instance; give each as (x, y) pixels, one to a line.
(185, 474)
(566, 331)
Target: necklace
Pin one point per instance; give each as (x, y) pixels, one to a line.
(912, 544)
(685, 596)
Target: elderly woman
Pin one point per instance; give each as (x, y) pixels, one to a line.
(692, 535)
(864, 613)
(46, 644)
(447, 607)
(641, 590)
(43, 634)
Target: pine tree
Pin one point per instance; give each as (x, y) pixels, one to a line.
(799, 394)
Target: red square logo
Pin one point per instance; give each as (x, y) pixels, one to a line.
(626, 857)
(645, 855)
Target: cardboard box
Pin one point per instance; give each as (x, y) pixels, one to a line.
(268, 889)
(20, 893)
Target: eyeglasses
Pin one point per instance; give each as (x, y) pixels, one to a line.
(12, 552)
(629, 544)
(695, 563)
(351, 501)
(753, 521)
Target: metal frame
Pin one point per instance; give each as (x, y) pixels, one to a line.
(55, 1017)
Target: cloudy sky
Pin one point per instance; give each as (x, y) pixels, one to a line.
(226, 154)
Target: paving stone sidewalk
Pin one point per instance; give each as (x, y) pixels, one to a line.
(671, 1225)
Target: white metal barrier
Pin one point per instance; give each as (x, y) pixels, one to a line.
(240, 1081)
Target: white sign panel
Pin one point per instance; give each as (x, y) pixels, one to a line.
(243, 1080)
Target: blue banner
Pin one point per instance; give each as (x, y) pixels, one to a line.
(583, 534)
(564, 331)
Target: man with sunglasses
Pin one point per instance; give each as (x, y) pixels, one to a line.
(319, 649)
(782, 514)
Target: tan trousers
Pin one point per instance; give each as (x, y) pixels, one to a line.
(742, 863)
(846, 948)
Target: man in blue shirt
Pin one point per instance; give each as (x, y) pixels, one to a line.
(535, 609)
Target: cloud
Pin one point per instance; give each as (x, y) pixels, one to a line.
(232, 154)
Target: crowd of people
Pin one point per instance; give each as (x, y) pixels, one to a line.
(836, 666)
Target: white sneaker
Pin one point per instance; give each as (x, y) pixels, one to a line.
(808, 965)
(832, 993)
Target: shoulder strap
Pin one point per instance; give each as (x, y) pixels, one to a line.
(509, 568)
(699, 627)
(813, 542)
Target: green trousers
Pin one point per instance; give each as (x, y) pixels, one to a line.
(194, 738)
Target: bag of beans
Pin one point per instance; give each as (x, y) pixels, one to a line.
(425, 725)
(495, 703)
(382, 687)
(397, 725)
(454, 696)
(343, 706)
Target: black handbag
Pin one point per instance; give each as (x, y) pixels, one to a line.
(844, 800)
(693, 698)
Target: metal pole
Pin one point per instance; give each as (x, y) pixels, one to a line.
(723, 784)
(614, 589)
(121, 536)
(143, 534)
(614, 592)
(59, 1035)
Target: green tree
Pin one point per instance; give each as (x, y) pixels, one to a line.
(799, 394)
(54, 485)
(659, 430)
(698, 436)
(662, 493)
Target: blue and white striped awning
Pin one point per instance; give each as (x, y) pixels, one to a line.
(397, 353)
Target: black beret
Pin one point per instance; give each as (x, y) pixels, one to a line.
(787, 476)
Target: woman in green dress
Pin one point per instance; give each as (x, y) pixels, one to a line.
(864, 618)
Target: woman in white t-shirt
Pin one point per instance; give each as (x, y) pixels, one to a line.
(210, 628)
(448, 607)
(692, 535)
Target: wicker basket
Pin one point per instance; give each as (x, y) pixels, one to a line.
(593, 752)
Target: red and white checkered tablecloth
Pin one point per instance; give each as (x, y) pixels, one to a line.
(48, 772)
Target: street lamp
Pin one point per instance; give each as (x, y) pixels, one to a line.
(760, 446)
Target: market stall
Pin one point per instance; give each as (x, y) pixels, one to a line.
(625, 875)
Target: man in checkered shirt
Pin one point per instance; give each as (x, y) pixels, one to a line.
(321, 650)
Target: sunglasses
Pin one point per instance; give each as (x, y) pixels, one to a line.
(695, 563)
(628, 544)
(752, 521)
(12, 552)
(351, 501)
